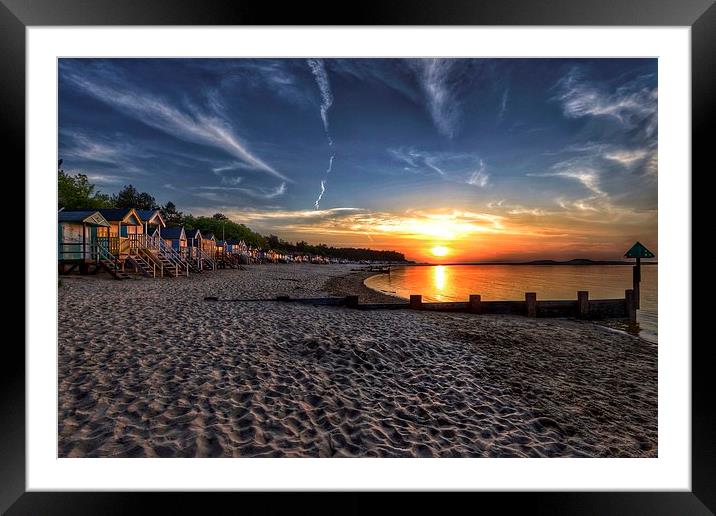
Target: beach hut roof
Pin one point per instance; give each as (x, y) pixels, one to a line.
(208, 236)
(91, 217)
(152, 217)
(127, 216)
(174, 233)
(193, 233)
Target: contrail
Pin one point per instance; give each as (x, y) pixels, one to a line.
(317, 204)
(319, 73)
(320, 195)
(321, 76)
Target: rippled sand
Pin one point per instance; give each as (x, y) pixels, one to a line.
(148, 368)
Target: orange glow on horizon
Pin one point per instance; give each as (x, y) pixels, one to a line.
(478, 233)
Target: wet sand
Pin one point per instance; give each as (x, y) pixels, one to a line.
(148, 368)
(352, 283)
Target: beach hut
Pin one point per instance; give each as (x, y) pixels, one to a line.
(125, 225)
(153, 221)
(200, 253)
(236, 247)
(77, 234)
(208, 243)
(193, 237)
(175, 237)
(123, 221)
(193, 242)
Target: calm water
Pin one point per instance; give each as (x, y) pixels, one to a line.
(510, 282)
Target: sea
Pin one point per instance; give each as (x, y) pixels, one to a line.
(510, 282)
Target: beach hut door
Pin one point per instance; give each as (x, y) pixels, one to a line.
(92, 241)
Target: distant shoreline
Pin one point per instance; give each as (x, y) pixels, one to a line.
(534, 262)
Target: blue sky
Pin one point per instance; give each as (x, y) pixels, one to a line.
(381, 152)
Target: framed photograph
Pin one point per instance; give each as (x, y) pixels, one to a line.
(410, 249)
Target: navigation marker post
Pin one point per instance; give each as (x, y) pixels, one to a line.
(637, 251)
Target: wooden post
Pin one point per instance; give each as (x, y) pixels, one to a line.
(416, 301)
(352, 301)
(636, 279)
(630, 305)
(583, 304)
(531, 300)
(475, 304)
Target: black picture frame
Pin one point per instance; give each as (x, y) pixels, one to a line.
(16, 15)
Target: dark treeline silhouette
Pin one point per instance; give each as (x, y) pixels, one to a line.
(75, 191)
(343, 253)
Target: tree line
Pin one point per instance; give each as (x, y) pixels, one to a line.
(76, 191)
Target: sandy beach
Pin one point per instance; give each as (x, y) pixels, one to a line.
(149, 368)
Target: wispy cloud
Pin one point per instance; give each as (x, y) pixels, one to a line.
(214, 192)
(633, 104)
(273, 76)
(589, 179)
(417, 160)
(479, 176)
(189, 125)
(442, 103)
(580, 170)
(236, 165)
(114, 151)
(627, 157)
(265, 193)
(503, 104)
(103, 179)
(640, 158)
(453, 166)
(99, 178)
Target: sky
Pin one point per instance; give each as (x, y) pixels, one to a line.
(442, 159)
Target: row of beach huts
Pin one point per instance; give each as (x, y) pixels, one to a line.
(124, 241)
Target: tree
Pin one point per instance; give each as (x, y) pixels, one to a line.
(146, 202)
(76, 191)
(220, 216)
(171, 216)
(129, 197)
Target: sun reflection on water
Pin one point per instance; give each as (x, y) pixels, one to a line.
(439, 280)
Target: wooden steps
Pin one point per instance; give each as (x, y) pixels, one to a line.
(113, 270)
(168, 265)
(165, 266)
(142, 265)
(208, 264)
(193, 267)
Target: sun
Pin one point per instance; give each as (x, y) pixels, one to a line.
(439, 250)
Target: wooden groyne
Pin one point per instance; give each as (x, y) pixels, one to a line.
(582, 307)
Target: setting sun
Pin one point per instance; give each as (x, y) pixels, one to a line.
(439, 250)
